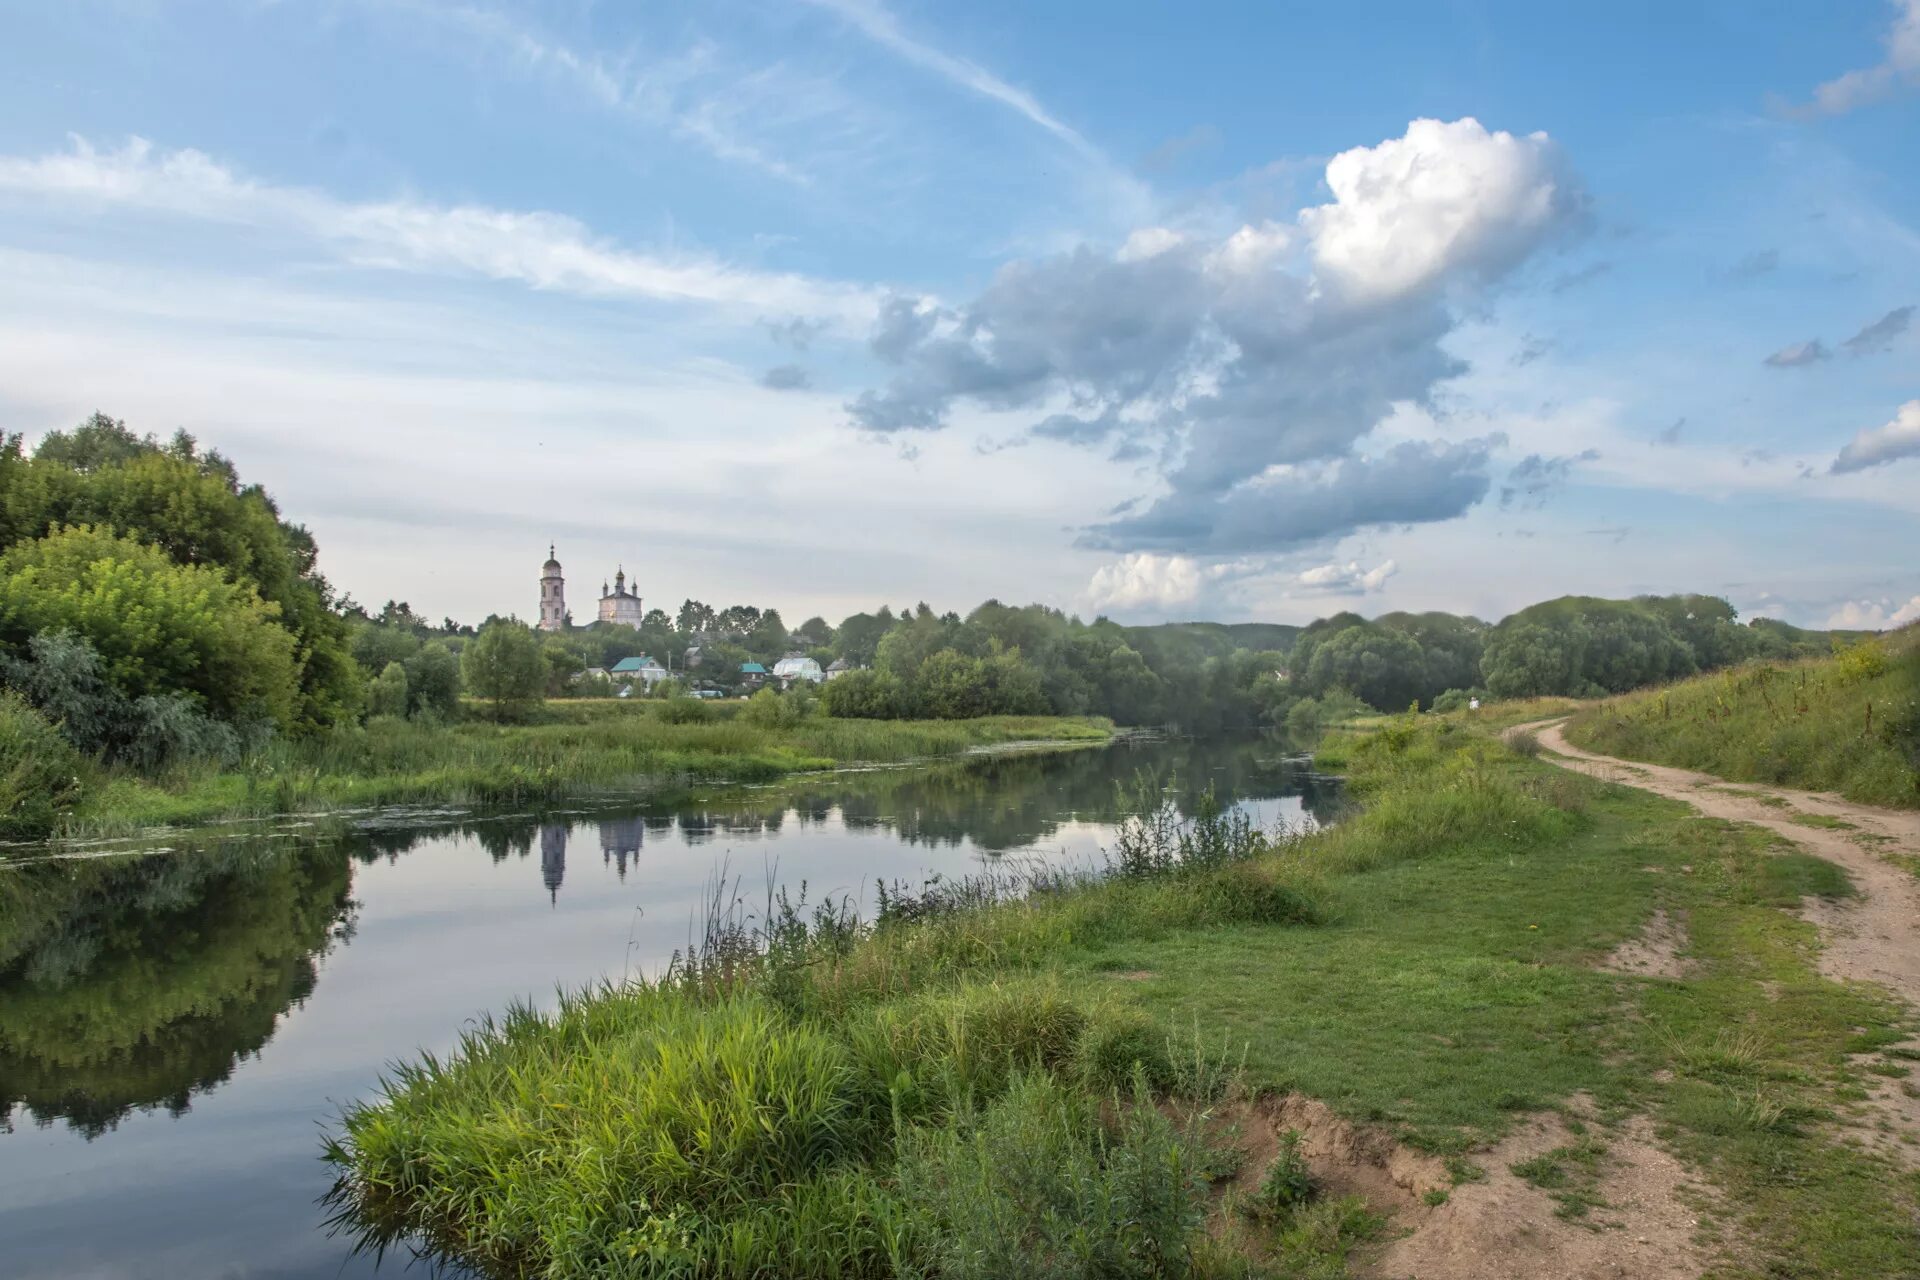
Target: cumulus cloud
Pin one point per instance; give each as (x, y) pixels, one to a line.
(1142, 580)
(1444, 198)
(1798, 355)
(1877, 446)
(1347, 579)
(1900, 69)
(1872, 615)
(1879, 335)
(1255, 363)
(539, 249)
(786, 377)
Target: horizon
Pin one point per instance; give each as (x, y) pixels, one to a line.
(838, 304)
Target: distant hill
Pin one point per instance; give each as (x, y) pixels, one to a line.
(1195, 642)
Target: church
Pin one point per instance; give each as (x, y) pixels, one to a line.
(619, 604)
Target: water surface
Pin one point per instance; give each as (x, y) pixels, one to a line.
(177, 1029)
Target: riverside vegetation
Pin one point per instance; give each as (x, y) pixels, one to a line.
(984, 1082)
(169, 651)
(1849, 722)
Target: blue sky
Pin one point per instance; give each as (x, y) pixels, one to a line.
(1235, 311)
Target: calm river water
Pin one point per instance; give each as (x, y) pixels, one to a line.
(178, 1029)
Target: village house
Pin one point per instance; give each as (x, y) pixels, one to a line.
(797, 666)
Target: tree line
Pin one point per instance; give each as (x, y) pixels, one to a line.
(153, 607)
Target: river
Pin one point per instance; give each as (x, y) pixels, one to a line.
(177, 1029)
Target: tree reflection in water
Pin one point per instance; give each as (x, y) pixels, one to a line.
(134, 983)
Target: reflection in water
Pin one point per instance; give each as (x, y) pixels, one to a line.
(134, 983)
(139, 990)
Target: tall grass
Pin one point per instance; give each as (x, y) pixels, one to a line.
(806, 1093)
(1848, 723)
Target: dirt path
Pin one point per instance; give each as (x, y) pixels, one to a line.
(1873, 937)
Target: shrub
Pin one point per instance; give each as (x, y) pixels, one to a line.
(433, 682)
(387, 695)
(159, 627)
(1038, 1186)
(1287, 1184)
(504, 666)
(39, 772)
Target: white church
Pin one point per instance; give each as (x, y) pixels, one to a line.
(618, 604)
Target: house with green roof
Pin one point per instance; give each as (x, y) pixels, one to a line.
(643, 668)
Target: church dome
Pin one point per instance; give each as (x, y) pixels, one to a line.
(552, 565)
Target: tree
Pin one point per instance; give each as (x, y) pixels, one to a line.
(858, 638)
(504, 665)
(159, 627)
(375, 646)
(191, 506)
(433, 682)
(387, 695)
(1382, 667)
(768, 639)
(693, 617)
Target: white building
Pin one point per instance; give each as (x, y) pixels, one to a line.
(553, 595)
(620, 605)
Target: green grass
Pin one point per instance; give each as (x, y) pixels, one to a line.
(578, 749)
(1849, 723)
(1427, 967)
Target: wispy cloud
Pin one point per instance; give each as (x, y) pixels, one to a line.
(687, 93)
(540, 249)
(874, 21)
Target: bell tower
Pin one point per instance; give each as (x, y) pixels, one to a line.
(553, 595)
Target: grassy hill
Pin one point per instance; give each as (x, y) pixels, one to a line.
(1848, 722)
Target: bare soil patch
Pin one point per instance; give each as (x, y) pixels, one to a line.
(1507, 1227)
(1658, 952)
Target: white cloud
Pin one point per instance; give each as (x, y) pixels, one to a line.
(540, 249)
(1870, 615)
(1445, 197)
(874, 21)
(1877, 446)
(1149, 242)
(1900, 68)
(1348, 578)
(1143, 580)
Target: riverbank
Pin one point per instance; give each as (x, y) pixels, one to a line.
(1849, 723)
(577, 750)
(1438, 998)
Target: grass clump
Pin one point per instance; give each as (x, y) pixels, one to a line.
(1848, 723)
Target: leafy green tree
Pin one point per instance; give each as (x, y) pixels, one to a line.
(433, 682)
(768, 639)
(193, 507)
(504, 665)
(375, 646)
(694, 616)
(159, 627)
(1382, 667)
(857, 639)
(387, 695)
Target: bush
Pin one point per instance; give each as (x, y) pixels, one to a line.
(39, 772)
(159, 627)
(387, 695)
(433, 682)
(1037, 1185)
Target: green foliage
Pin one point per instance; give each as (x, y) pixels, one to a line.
(433, 682)
(158, 626)
(1848, 723)
(504, 665)
(1038, 1184)
(1288, 1183)
(387, 695)
(39, 772)
(192, 507)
